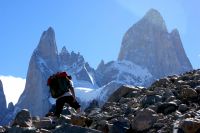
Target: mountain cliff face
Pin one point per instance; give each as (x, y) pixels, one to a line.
(43, 63)
(148, 44)
(3, 107)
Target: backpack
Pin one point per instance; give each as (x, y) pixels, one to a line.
(58, 83)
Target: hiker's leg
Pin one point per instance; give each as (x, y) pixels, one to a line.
(73, 103)
(59, 106)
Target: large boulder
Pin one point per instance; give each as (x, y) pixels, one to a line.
(121, 92)
(190, 125)
(23, 119)
(144, 119)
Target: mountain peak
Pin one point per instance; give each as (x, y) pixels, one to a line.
(47, 45)
(148, 43)
(154, 17)
(64, 50)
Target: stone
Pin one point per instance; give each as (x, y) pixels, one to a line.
(121, 92)
(170, 99)
(150, 100)
(44, 131)
(167, 108)
(73, 129)
(182, 108)
(94, 104)
(188, 93)
(197, 88)
(23, 119)
(190, 125)
(103, 126)
(61, 120)
(44, 124)
(78, 120)
(2, 129)
(144, 120)
(119, 127)
(16, 129)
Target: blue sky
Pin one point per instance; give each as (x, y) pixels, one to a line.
(92, 27)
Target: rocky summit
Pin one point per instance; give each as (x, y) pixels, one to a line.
(170, 104)
(149, 45)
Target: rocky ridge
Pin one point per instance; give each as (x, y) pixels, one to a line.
(170, 104)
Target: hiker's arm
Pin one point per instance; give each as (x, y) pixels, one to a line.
(72, 90)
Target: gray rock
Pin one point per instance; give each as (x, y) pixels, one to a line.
(150, 99)
(120, 127)
(167, 108)
(2, 129)
(23, 119)
(190, 125)
(21, 130)
(150, 36)
(121, 92)
(188, 93)
(182, 108)
(103, 126)
(144, 120)
(43, 123)
(197, 89)
(73, 129)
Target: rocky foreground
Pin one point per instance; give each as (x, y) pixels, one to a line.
(171, 104)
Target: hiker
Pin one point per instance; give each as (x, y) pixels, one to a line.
(61, 88)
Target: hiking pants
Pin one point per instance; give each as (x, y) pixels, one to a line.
(60, 102)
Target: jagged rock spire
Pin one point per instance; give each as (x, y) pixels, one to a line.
(2, 101)
(43, 63)
(47, 48)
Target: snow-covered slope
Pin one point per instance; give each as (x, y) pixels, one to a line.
(75, 65)
(124, 72)
(87, 95)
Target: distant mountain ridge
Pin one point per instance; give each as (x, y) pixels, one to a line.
(147, 52)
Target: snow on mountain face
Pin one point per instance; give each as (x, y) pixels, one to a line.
(124, 72)
(82, 74)
(87, 95)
